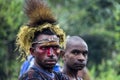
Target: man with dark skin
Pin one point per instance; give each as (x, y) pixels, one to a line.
(46, 51)
(42, 37)
(75, 57)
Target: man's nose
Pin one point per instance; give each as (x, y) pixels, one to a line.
(81, 57)
(50, 52)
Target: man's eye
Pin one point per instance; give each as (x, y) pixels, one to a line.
(55, 47)
(76, 52)
(85, 53)
(43, 48)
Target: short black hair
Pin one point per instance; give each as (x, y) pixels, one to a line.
(46, 31)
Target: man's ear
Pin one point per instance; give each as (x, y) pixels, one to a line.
(62, 52)
(32, 50)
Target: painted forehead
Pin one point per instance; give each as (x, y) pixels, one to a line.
(47, 40)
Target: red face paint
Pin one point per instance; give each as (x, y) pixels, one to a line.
(42, 49)
(49, 51)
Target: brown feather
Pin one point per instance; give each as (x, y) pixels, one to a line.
(38, 13)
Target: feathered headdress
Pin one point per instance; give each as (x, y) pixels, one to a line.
(40, 17)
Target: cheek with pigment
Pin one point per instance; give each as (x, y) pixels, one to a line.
(58, 51)
(48, 52)
(51, 51)
(41, 51)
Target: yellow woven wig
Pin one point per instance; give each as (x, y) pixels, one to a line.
(40, 17)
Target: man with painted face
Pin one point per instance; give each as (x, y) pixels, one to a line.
(30, 62)
(43, 38)
(75, 57)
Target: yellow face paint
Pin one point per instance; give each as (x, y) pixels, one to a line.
(49, 41)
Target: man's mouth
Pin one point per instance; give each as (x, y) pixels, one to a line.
(79, 66)
(51, 62)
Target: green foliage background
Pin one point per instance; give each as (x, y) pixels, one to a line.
(97, 21)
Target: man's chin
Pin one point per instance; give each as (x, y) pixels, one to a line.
(80, 67)
(50, 65)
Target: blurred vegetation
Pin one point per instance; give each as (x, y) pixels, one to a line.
(97, 21)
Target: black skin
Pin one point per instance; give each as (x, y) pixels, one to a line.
(46, 54)
(75, 57)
